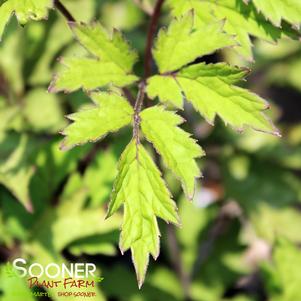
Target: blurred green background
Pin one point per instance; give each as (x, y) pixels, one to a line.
(240, 236)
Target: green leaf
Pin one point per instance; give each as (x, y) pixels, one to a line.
(15, 171)
(142, 191)
(166, 88)
(24, 10)
(94, 245)
(89, 74)
(175, 146)
(270, 222)
(242, 20)
(283, 276)
(112, 63)
(50, 120)
(278, 10)
(72, 215)
(187, 43)
(125, 15)
(98, 42)
(99, 177)
(211, 91)
(13, 288)
(110, 113)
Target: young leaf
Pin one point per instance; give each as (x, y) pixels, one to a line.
(112, 63)
(186, 43)
(242, 20)
(175, 146)
(89, 74)
(278, 10)
(110, 113)
(142, 191)
(211, 91)
(24, 11)
(166, 88)
(109, 49)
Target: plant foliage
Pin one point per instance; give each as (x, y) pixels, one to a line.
(105, 72)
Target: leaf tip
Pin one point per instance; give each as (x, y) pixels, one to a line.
(64, 146)
(72, 24)
(28, 206)
(51, 88)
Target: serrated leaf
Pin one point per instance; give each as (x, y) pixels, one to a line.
(110, 113)
(211, 91)
(187, 43)
(24, 10)
(142, 191)
(112, 63)
(166, 88)
(278, 10)
(242, 20)
(89, 74)
(169, 91)
(98, 41)
(177, 149)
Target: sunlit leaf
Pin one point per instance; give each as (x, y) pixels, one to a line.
(110, 113)
(177, 149)
(24, 10)
(141, 190)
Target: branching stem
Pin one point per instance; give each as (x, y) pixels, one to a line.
(147, 67)
(137, 109)
(150, 38)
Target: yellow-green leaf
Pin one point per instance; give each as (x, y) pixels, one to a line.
(211, 91)
(89, 74)
(181, 43)
(97, 40)
(278, 10)
(242, 20)
(176, 147)
(166, 88)
(142, 191)
(111, 63)
(24, 10)
(110, 113)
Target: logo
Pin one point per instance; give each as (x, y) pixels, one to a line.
(64, 280)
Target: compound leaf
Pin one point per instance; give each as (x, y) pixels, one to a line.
(187, 43)
(175, 146)
(211, 91)
(110, 113)
(112, 63)
(242, 20)
(278, 10)
(142, 191)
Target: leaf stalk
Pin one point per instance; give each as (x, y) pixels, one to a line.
(64, 11)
